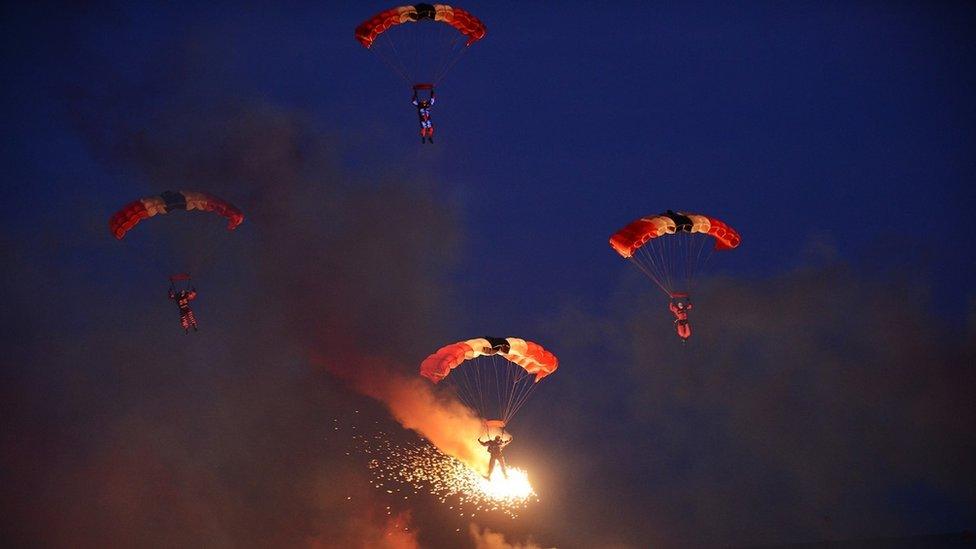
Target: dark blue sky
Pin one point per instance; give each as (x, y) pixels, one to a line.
(837, 138)
(850, 125)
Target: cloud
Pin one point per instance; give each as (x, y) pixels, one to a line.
(488, 539)
(823, 403)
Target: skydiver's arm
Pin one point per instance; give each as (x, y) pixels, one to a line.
(432, 96)
(172, 294)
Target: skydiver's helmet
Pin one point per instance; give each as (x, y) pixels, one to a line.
(424, 104)
(498, 438)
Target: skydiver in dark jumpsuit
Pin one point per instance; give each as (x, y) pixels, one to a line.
(495, 447)
(423, 112)
(183, 299)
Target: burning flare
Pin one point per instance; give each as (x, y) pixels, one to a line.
(422, 466)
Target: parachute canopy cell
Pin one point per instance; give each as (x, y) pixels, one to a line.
(131, 214)
(529, 355)
(637, 233)
(460, 19)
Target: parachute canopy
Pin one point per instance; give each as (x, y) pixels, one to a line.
(132, 213)
(530, 356)
(424, 50)
(493, 376)
(670, 247)
(637, 233)
(467, 24)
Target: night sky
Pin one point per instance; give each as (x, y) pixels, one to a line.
(826, 393)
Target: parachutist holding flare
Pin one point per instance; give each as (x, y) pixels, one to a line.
(495, 447)
(680, 305)
(423, 112)
(183, 299)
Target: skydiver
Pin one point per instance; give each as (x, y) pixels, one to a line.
(183, 299)
(495, 447)
(423, 112)
(680, 305)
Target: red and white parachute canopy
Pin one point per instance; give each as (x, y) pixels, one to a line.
(132, 213)
(421, 42)
(493, 376)
(670, 247)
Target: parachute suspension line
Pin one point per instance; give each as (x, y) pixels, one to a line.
(672, 262)
(677, 259)
(689, 259)
(504, 380)
(146, 258)
(444, 56)
(207, 254)
(392, 57)
(499, 387)
(450, 62)
(482, 385)
(525, 388)
(474, 388)
(465, 389)
(708, 256)
(698, 263)
(196, 258)
(429, 52)
(523, 398)
(636, 262)
(511, 381)
(665, 253)
(648, 267)
(482, 377)
(662, 246)
(404, 71)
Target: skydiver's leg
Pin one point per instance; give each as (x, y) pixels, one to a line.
(185, 323)
(491, 466)
(193, 320)
(501, 462)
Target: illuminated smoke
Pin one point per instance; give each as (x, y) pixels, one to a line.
(446, 423)
(488, 539)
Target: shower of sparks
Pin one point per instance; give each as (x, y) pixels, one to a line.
(420, 467)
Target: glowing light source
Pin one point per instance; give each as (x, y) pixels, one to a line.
(423, 467)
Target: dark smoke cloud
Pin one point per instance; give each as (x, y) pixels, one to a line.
(825, 403)
(119, 430)
(821, 404)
